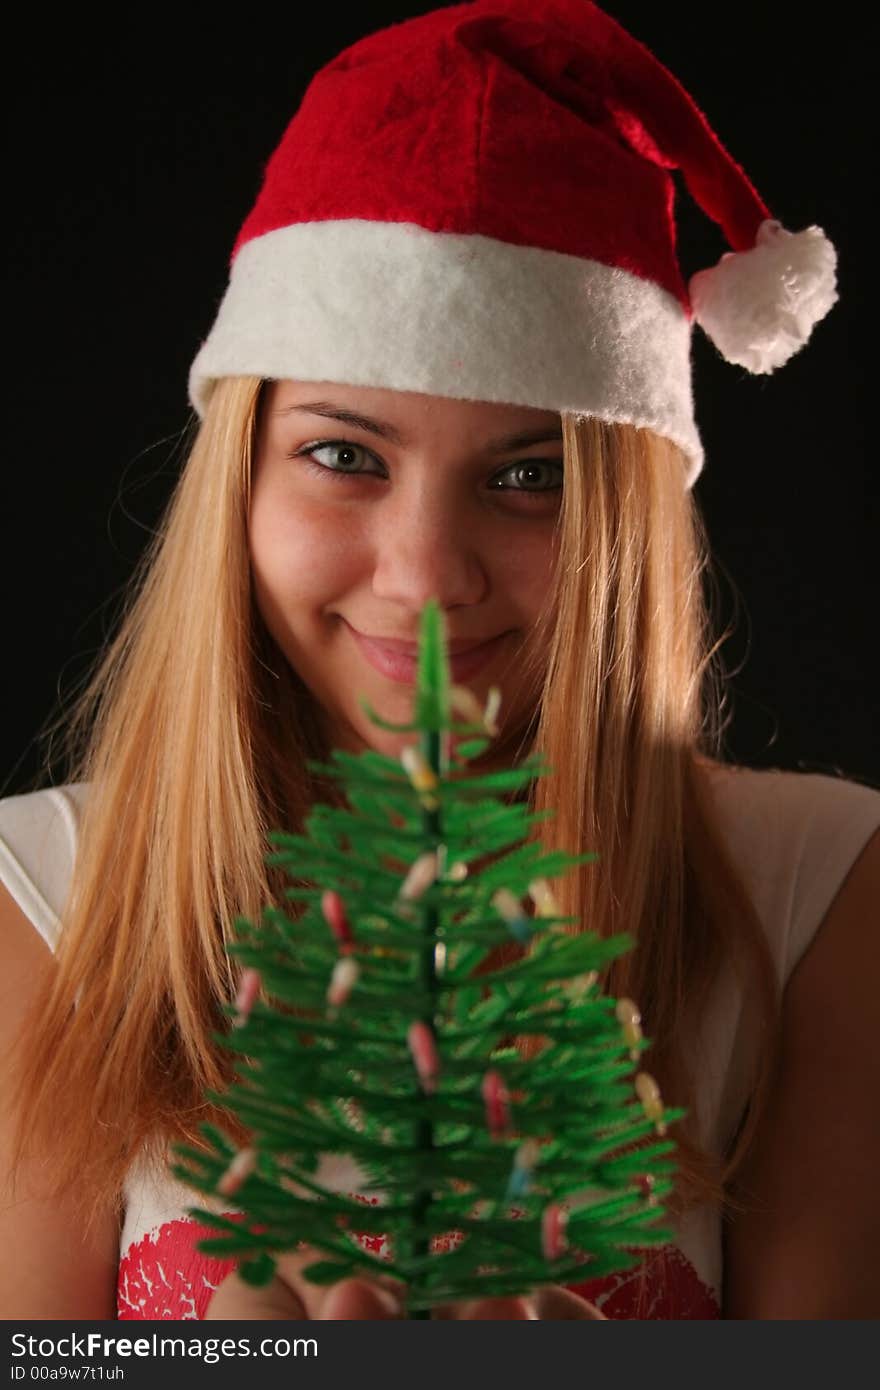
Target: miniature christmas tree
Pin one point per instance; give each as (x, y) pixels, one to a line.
(489, 1107)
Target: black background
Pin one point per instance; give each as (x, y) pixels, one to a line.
(134, 154)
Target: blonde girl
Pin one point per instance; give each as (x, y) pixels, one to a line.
(457, 289)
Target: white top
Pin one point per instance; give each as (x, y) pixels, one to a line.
(794, 836)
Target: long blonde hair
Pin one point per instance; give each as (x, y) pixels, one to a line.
(194, 733)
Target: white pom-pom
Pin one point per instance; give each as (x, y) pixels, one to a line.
(759, 307)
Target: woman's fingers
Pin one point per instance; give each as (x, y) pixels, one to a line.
(358, 1298)
(506, 1309)
(355, 1298)
(291, 1296)
(235, 1299)
(288, 1295)
(548, 1304)
(554, 1303)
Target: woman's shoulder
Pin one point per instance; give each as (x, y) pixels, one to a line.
(794, 836)
(765, 808)
(65, 1271)
(38, 840)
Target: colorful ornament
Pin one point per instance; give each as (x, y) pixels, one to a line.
(628, 1016)
(542, 896)
(248, 989)
(554, 1221)
(648, 1093)
(335, 916)
(241, 1167)
(497, 1103)
(510, 908)
(490, 714)
(342, 981)
(457, 872)
(421, 875)
(464, 702)
(423, 1047)
(524, 1162)
(421, 775)
(646, 1185)
(580, 985)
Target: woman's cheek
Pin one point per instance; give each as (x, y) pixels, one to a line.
(294, 543)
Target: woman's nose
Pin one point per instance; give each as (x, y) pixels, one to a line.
(428, 549)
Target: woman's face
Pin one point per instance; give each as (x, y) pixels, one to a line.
(365, 504)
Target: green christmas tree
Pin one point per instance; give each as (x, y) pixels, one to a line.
(492, 1110)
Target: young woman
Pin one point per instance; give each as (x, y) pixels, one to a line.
(452, 362)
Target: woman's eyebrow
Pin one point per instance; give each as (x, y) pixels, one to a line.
(522, 439)
(541, 434)
(346, 417)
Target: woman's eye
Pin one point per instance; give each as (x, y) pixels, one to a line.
(527, 481)
(342, 457)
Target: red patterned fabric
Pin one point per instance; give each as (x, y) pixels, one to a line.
(164, 1276)
(666, 1288)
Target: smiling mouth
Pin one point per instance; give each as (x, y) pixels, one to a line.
(399, 662)
(411, 649)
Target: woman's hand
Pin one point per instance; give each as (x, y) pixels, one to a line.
(291, 1297)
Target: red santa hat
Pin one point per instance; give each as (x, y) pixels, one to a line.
(478, 203)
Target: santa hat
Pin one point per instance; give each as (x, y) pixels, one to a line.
(478, 203)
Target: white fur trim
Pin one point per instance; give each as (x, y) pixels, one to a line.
(759, 307)
(394, 305)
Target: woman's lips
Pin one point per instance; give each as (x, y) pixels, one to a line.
(398, 667)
